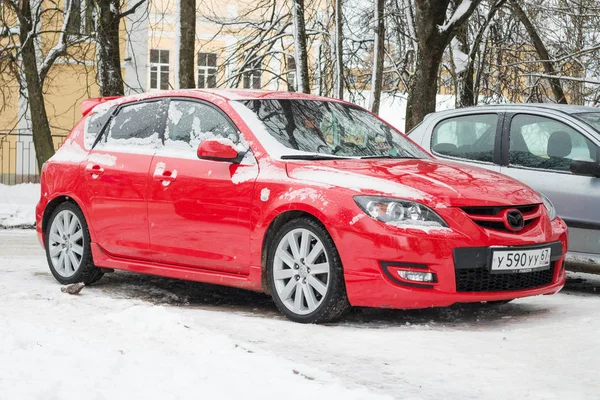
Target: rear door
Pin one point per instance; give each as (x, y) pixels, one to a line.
(116, 179)
(540, 152)
(199, 210)
(472, 138)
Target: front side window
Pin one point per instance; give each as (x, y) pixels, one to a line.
(471, 137)
(325, 127)
(135, 127)
(545, 143)
(207, 70)
(159, 69)
(189, 123)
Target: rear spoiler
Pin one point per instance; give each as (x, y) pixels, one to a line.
(88, 104)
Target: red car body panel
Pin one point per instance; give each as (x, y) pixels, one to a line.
(206, 220)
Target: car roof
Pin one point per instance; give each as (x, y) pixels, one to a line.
(229, 94)
(559, 108)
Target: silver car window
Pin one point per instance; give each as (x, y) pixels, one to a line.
(545, 143)
(470, 137)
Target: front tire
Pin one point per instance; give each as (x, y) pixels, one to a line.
(305, 273)
(68, 247)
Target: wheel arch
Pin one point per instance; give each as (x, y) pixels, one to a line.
(55, 202)
(274, 225)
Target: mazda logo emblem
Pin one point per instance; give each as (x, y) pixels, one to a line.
(513, 220)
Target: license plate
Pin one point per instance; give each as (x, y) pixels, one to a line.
(520, 260)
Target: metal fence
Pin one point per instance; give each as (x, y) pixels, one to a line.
(17, 156)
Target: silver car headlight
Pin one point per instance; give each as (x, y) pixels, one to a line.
(549, 206)
(398, 212)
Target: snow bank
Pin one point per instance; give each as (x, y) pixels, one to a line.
(59, 346)
(17, 205)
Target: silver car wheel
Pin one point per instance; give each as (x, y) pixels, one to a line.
(301, 271)
(65, 243)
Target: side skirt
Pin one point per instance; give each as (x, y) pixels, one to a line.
(249, 282)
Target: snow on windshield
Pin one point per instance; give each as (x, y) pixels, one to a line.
(286, 127)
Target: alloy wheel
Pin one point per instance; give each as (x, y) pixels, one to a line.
(301, 271)
(65, 243)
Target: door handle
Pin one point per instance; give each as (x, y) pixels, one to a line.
(165, 176)
(94, 170)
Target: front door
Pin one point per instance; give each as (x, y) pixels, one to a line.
(199, 210)
(541, 150)
(115, 179)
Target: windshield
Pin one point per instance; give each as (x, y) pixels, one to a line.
(330, 129)
(592, 118)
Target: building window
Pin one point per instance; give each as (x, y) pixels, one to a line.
(81, 21)
(291, 74)
(159, 69)
(252, 77)
(207, 70)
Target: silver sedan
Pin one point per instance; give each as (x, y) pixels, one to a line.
(553, 148)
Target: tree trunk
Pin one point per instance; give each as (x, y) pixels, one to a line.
(339, 61)
(108, 54)
(187, 43)
(301, 54)
(42, 137)
(433, 37)
(378, 55)
(466, 83)
(555, 85)
(423, 89)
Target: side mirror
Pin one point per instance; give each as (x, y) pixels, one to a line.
(219, 150)
(587, 168)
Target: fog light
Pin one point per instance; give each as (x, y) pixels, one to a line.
(416, 276)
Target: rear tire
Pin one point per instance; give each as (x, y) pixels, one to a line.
(305, 273)
(68, 249)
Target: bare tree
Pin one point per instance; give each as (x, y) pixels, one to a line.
(378, 55)
(434, 34)
(555, 84)
(107, 18)
(300, 52)
(23, 58)
(187, 32)
(339, 50)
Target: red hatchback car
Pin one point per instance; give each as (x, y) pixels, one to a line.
(315, 201)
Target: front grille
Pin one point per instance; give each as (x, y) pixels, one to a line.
(490, 217)
(481, 280)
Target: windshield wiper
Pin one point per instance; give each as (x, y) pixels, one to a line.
(311, 157)
(385, 156)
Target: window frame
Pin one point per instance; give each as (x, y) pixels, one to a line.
(159, 66)
(103, 135)
(206, 70)
(506, 140)
(497, 153)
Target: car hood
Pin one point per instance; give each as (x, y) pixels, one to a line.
(431, 182)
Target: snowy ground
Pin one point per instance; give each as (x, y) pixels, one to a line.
(135, 336)
(17, 205)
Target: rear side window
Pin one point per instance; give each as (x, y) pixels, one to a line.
(94, 125)
(138, 125)
(470, 137)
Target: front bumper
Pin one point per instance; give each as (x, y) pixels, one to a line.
(368, 285)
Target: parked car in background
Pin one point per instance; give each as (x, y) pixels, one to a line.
(315, 201)
(555, 149)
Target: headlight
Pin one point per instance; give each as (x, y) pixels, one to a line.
(549, 206)
(398, 212)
